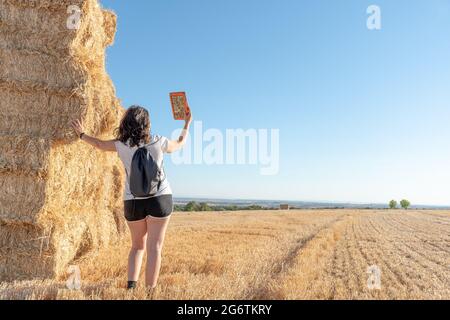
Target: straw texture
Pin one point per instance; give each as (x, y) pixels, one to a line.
(59, 198)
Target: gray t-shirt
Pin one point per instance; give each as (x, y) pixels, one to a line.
(157, 149)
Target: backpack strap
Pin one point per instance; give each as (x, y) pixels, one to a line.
(152, 143)
(161, 171)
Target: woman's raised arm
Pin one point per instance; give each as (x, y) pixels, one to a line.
(173, 145)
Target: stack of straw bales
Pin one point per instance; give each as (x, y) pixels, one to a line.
(59, 198)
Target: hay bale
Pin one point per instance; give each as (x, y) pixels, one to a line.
(59, 199)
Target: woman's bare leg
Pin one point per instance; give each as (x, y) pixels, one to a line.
(156, 233)
(138, 232)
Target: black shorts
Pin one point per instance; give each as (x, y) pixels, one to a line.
(157, 207)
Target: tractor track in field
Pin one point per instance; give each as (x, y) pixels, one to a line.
(410, 268)
(421, 266)
(286, 261)
(416, 269)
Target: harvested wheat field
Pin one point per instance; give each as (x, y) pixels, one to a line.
(310, 254)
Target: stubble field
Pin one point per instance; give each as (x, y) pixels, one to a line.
(307, 254)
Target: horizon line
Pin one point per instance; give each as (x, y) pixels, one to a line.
(309, 201)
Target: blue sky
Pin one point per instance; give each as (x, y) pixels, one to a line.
(363, 115)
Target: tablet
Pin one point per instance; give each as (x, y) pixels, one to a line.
(180, 106)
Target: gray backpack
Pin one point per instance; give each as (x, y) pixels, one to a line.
(145, 176)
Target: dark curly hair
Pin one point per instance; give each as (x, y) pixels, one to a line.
(135, 127)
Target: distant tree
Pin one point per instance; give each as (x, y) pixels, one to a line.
(393, 204)
(204, 207)
(191, 206)
(178, 208)
(405, 204)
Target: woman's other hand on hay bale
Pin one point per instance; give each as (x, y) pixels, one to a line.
(102, 145)
(78, 127)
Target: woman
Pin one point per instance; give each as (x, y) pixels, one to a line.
(147, 218)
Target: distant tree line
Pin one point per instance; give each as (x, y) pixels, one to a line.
(405, 204)
(203, 206)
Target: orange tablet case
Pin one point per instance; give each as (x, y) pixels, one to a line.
(180, 106)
